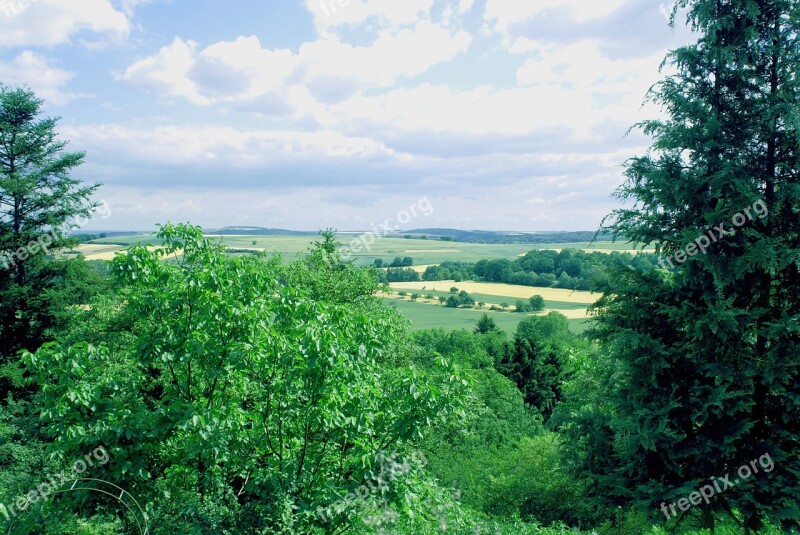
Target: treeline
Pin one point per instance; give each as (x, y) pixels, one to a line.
(571, 268)
(497, 237)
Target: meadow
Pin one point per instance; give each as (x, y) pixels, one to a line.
(424, 252)
(423, 314)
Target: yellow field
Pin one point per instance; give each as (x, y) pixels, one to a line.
(103, 252)
(502, 290)
(570, 314)
(98, 252)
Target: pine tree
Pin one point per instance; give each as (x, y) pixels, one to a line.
(37, 195)
(39, 204)
(708, 345)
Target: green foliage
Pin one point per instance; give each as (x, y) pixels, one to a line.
(252, 393)
(535, 361)
(708, 352)
(571, 268)
(37, 194)
(485, 325)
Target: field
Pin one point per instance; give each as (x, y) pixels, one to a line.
(424, 313)
(424, 252)
(425, 316)
(570, 303)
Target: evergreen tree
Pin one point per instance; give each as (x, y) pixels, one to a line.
(708, 346)
(39, 203)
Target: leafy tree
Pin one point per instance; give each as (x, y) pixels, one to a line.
(521, 306)
(453, 290)
(465, 300)
(414, 296)
(536, 303)
(408, 261)
(245, 400)
(709, 347)
(442, 300)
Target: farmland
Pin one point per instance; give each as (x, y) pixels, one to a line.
(424, 252)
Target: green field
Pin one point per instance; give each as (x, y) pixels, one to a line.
(425, 316)
(486, 298)
(386, 249)
(422, 315)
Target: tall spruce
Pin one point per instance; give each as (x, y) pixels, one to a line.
(37, 195)
(709, 347)
(39, 202)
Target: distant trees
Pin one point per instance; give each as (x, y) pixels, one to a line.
(536, 303)
(485, 325)
(462, 299)
(401, 262)
(536, 361)
(400, 275)
(571, 268)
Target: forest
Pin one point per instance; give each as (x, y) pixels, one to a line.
(182, 389)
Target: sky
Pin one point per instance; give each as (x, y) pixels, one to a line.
(310, 114)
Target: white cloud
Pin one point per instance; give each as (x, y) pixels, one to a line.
(321, 72)
(505, 13)
(53, 22)
(226, 146)
(36, 72)
(465, 6)
(483, 111)
(166, 72)
(582, 65)
(329, 14)
(129, 6)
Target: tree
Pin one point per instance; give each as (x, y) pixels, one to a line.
(520, 306)
(39, 204)
(408, 261)
(465, 300)
(708, 346)
(536, 303)
(442, 300)
(315, 374)
(414, 296)
(485, 325)
(38, 198)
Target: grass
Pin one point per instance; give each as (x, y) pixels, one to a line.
(386, 249)
(424, 316)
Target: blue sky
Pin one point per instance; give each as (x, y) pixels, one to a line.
(307, 114)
